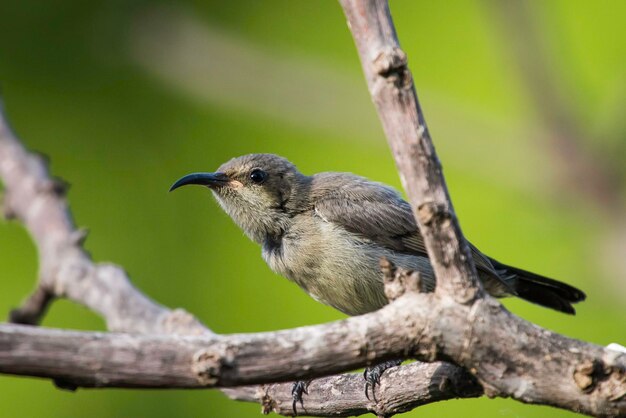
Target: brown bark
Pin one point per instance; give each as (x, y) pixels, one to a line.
(401, 389)
(391, 85)
(459, 324)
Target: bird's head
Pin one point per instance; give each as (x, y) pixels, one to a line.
(259, 191)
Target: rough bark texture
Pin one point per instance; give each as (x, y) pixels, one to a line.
(133, 360)
(459, 324)
(401, 389)
(391, 86)
(66, 270)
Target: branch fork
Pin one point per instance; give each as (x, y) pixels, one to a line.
(471, 343)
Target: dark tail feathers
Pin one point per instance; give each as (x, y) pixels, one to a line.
(539, 289)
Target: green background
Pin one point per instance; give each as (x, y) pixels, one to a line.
(127, 96)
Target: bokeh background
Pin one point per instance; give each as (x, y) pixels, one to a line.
(525, 102)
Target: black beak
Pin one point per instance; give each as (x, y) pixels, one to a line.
(204, 179)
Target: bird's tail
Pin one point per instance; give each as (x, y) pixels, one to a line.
(539, 289)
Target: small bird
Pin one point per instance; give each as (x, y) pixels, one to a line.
(328, 232)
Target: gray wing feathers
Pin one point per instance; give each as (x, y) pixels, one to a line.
(371, 210)
(378, 213)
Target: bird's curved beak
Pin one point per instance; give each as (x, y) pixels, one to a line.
(212, 180)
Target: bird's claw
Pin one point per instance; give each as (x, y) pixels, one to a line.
(299, 388)
(372, 376)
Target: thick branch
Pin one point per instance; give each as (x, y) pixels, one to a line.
(391, 86)
(92, 359)
(509, 356)
(401, 389)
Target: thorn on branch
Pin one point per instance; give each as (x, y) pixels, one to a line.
(593, 375)
(432, 213)
(56, 185)
(209, 365)
(79, 236)
(391, 63)
(33, 309)
(584, 375)
(399, 281)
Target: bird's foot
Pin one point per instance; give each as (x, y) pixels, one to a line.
(372, 376)
(299, 388)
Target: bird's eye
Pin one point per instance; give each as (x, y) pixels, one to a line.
(258, 176)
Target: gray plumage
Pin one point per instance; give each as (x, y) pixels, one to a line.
(327, 233)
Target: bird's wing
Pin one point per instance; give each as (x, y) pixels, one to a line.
(377, 213)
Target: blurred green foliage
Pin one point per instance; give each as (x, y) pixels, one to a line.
(78, 87)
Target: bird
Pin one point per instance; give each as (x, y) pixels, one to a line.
(327, 233)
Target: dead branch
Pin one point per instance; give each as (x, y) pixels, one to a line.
(401, 389)
(508, 356)
(391, 85)
(66, 270)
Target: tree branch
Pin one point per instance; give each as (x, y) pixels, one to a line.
(401, 389)
(91, 359)
(508, 356)
(66, 270)
(34, 307)
(391, 85)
